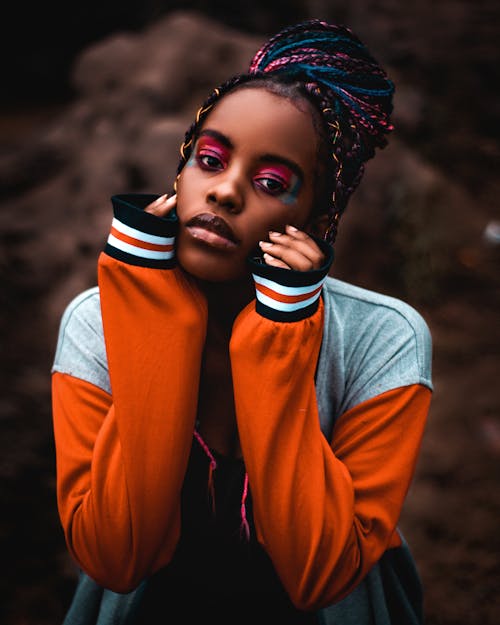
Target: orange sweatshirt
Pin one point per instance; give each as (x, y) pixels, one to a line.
(325, 511)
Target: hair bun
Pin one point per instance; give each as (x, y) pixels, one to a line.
(333, 59)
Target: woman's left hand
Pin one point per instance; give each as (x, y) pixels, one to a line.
(292, 249)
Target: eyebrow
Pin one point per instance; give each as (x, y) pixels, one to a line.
(217, 135)
(265, 158)
(275, 158)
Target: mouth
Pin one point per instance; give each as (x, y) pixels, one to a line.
(212, 230)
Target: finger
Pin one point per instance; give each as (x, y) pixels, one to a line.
(162, 205)
(306, 244)
(299, 240)
(300, 243)
(153, 206)
(274, 262)
(288, 255)
(299, 255)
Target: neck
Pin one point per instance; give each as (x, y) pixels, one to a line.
(227, 299)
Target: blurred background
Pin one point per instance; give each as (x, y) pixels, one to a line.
(96, 98)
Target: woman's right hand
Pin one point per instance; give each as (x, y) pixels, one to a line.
(162, 205)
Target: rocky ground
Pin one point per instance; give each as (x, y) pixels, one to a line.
(420, 227)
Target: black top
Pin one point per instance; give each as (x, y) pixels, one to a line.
(216, 574)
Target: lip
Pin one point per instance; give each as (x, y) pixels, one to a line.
(212, 230)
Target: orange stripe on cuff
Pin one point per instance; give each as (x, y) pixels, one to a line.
(138, 243)
(287, 299)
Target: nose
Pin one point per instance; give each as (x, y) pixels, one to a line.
(226, 192)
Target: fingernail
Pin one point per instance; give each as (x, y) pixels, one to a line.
(276, 234)
(265, 244)
(267, 257)
(292, 228)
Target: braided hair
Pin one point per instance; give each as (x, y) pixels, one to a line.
(351, 95)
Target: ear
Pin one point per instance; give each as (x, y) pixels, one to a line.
(317, 225)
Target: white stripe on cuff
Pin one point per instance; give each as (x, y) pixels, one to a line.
(283, 306)
(288, 290)
(140, 235)
(139, 251)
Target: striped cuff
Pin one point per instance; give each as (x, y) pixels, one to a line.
(285, 294)
(140, 238)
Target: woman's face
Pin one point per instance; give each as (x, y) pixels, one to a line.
(251, 170)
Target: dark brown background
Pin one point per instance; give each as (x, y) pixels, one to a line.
(95, 101)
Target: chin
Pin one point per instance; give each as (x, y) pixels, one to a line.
(208, 266)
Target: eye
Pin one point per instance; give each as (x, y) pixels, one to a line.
(271, 183)
(209, 161)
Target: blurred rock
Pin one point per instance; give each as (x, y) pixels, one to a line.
(395, 235)
(162, 69)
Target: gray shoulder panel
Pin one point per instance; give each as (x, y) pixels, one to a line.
(81, 351)
(372, 343)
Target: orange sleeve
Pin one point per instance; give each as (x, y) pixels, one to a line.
(325, 513)
(121, 460)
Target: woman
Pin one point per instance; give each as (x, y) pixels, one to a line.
(235, 431)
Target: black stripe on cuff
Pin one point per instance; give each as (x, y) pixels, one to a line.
(139, 261)
(280, 315)
(129, 209)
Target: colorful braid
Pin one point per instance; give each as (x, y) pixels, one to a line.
(345, 83)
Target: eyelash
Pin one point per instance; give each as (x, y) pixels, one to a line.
(283, 186)
(202, 157)
(209, 155)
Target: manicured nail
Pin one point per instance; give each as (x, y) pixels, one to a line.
(265, 244)
(276, 234)
(291, 228)
(267, 257)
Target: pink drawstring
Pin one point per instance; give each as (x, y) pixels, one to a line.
(244, 527)
(211, 468)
